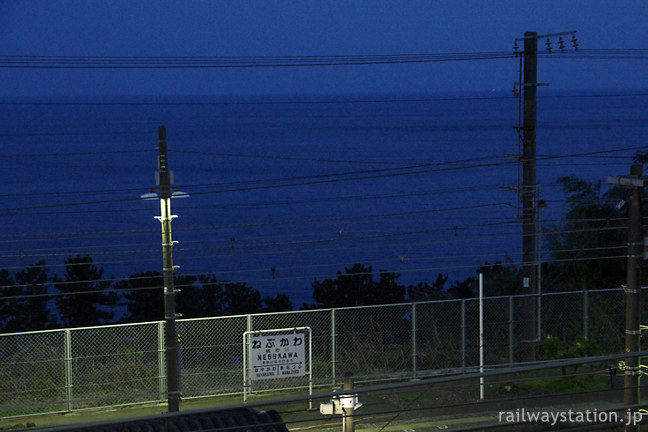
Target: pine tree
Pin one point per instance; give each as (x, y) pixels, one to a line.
(86, 299)
(32, 311)
(10, 295)
(143, 295)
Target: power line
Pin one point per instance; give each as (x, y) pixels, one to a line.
(337, 178)
(363, 247)
(132, 62)
(327, 160)
(250, 281)
(68, 154)
(102, 234)
(203, 62)
(285, 183)
(398, 100)
(607, 54)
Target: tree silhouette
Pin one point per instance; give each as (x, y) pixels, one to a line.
(10, 294)
(426, 292)
(143, 295)
(357, 287)
(594, 229)
(501, 279)
(31, 311)
(86, 300)
(241, 299)
(278, 303)
(464, 289)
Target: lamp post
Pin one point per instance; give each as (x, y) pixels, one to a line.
(172, 346)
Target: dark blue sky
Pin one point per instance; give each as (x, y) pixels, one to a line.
(297, 28)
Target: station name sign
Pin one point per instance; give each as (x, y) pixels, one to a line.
(277, 356)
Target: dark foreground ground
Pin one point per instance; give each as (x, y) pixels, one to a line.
(453, 406)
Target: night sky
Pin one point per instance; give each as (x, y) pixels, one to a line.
(313, 28)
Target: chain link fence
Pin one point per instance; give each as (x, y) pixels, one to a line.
(83, 368)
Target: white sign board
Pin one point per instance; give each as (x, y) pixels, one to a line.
(277, 356)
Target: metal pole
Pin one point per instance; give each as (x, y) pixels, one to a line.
(633, 294)
(171, 335)
(511, 309)
(414, 342)
(247, 368)
(348, 420)
(541, 205)
(310, 366)
(246, 347)
(481, 335)
(161, 366)
(333, 348)
(585, 313)
(529, 234)
(463, 336)
(67, 335)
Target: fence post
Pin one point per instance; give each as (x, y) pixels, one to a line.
(585, 313)
(463, 335)
(414, 341)
(161, 364)
(68, 367)
(511, 322)
(333, 346)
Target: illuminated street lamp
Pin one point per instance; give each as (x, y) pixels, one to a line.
(172, 348)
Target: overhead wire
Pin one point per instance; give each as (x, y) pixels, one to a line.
(207, 62)
(248, 246)
(285, 182)
(202, 62)
(313, 101)
(68, 154)
(50, 252)
(472, 240)
(438, 268)
(370, 162)
(606, 54)
(336, 178)
(95, 233)
(105, 248)
(306, 246)
(279, 244)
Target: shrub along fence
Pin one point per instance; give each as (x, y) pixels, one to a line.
(83, 368)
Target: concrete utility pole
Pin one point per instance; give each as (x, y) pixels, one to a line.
(529, 185)
(171, 336)
(632, 370)
(529, 192)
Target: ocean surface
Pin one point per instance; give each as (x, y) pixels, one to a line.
(283, 191)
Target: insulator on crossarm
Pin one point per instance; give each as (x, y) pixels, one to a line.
(548, 43)
(515, 48)
(574, 42)
(561, 44)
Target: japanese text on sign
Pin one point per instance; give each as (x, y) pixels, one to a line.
(277, 356)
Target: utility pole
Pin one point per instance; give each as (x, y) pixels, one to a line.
(529, 234)
(172, 351)
(632, 368)
(530, 189)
